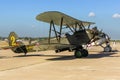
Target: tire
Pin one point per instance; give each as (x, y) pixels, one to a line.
(78, 53)
(84, 53)
(107, 49)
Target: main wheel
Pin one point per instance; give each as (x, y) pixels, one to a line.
(78, 53)
(84, 53)
(107, 49)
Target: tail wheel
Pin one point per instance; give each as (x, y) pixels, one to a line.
(107, 49)
(24, 49)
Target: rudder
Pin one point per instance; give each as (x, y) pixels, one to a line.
(13, 39)
(16, 46)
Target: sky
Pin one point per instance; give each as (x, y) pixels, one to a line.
(20, 15)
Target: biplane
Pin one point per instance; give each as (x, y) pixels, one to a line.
(65, 34)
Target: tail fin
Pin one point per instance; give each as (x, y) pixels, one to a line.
(13, 39)
(16, 46)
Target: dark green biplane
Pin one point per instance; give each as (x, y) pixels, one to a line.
(78, 33)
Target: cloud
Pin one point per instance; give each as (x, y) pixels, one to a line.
(91, 14)
(116, 15)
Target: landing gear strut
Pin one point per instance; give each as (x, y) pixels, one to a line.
(81, 53)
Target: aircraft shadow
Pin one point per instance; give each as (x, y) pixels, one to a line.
(71, 57)
(1, 57)
(101, 55)
(63, 58)
(90, 56)
(28, 55)
(57, 57)
(4, 57)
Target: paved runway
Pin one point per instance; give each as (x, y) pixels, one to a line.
(47, 65)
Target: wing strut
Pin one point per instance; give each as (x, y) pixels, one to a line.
(58, 36)
(52, 25)
(50, 32)
(60, 29)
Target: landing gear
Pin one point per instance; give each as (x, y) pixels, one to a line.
(78, 53)
(107, 48)
(84, 53)
(81, 53)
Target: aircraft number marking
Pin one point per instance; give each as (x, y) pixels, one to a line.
(12, 38)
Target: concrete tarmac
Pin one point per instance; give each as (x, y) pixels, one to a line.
(47, 65)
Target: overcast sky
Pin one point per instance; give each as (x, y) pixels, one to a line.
(19, 15)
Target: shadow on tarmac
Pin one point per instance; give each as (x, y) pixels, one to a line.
(69, 57)
(101, 55)
(90, 56)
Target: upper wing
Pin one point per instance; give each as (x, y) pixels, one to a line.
(56, 16)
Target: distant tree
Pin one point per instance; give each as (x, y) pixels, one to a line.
(0, 38)
(26, 38)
